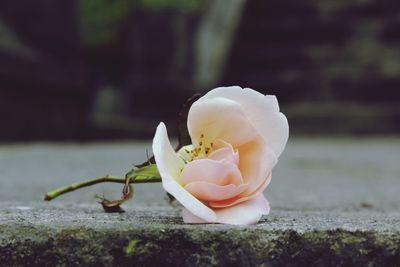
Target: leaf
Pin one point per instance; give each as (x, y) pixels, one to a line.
(115, 205)
(143, 173)
(111, 206)
(150, 160)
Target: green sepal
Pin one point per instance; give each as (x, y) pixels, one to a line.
(144, 173)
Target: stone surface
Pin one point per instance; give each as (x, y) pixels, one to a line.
(334, 202)
(79, 234)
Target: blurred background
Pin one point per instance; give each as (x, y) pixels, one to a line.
(112, 69)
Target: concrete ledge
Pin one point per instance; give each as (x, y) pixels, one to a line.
(48, 235)
(335, 202)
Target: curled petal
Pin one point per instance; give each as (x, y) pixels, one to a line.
(212, 171)
(240, 198)
(169, 165)
(255, 164)
(224, 153)
(245, 213)
(262, 111)
(211, 192)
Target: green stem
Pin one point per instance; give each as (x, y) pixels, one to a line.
(101, 179)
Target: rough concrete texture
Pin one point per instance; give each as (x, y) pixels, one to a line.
(334, 203)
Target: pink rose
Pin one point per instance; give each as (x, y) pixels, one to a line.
(237, 136)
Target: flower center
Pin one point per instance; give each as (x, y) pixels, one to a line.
(203, 149)
(190, 152)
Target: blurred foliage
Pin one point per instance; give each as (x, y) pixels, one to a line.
(10, 43)
(101, 20)
(179, 4)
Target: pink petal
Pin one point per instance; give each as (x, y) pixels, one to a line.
(262, 111)
(225, 153)
(219, 118)
(212, 171)
(238, 199)
(245, 213)
(212, 192)
(255, 164)
(169, 165)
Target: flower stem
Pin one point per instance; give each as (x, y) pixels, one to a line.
(101, 179)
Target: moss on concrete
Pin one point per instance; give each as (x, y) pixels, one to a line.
(157, 237)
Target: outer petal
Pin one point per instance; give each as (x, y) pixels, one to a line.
(219, 118)
(169, 164)
(245, 213)
(255, 164)
(262, 111)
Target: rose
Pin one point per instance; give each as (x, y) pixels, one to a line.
(237, 136)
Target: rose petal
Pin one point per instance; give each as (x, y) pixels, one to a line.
(255, 164)
(262, 111)
(225, 153)
(212, 171)
(219, 118)
(169, 165)
(236, 200)
(245, 213)
(211, 192)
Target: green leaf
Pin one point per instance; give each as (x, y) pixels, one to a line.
(175, 4)
(141, 174)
